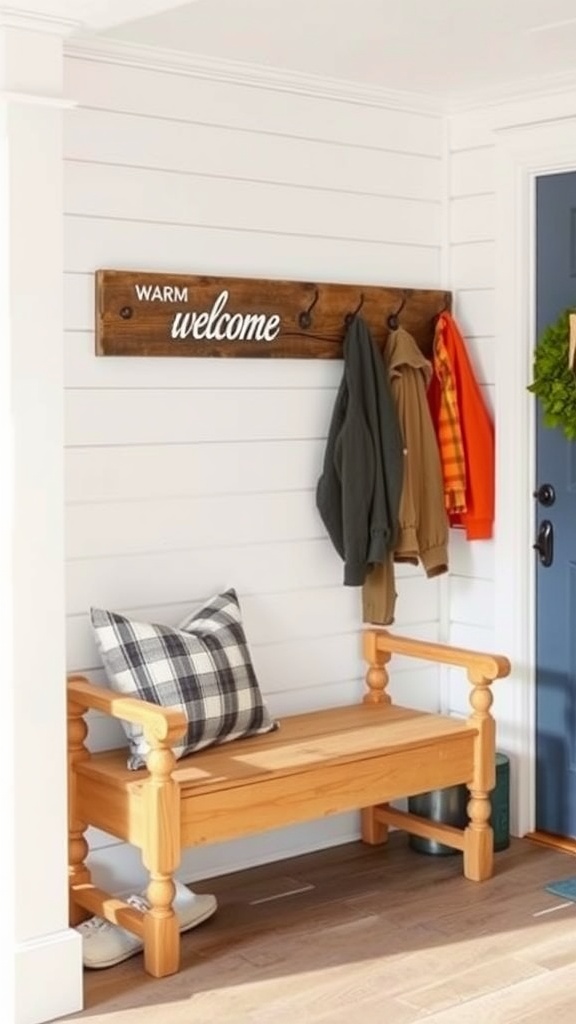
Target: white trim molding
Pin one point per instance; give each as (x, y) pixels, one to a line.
(39, 963)
(42, 968)
(505, 103)
(536, 87)
(523, 154)
(50, 18)
(237, 72)
(65, 16)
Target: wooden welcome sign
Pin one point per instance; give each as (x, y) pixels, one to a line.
(149, 314)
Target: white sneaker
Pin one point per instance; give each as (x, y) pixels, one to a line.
(105, 944)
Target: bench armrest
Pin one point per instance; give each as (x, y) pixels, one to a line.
(482, 669)
(165, 724)
(489, 666)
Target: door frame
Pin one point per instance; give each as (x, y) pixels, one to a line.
(523, 153)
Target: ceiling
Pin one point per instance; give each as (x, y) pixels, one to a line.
(449, 48)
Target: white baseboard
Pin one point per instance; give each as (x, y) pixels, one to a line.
(49, 980)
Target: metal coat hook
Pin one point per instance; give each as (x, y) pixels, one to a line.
(305, 317)
(446, 304)
(350, 316)
(392, 321)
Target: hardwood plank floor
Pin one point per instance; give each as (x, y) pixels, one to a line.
(385, 933)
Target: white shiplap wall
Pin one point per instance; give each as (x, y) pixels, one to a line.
(472, 230)
(186, 476)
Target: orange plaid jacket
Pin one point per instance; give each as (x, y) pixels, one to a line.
(448, 428)
(477, 433)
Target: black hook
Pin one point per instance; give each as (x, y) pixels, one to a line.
(447, 303)
(393, 322)
(350, 316)
(305, 317)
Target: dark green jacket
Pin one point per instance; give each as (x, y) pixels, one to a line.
(358, 493)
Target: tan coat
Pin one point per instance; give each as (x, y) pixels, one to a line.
(423, 523)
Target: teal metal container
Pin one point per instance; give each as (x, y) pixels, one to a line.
(445, 805)
(449, 806)
(500, 801)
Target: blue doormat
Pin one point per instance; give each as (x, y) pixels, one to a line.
(566, 887)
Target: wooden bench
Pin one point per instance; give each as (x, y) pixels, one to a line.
(316, 764)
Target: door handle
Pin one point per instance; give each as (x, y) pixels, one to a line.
(545, 543)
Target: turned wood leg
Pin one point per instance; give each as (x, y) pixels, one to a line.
(161, 931)
(374, 832)
(478, 839)
(161, 855)
(478, 836)
(78, 873)
(377, 677)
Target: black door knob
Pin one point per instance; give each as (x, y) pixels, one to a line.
(546, 495)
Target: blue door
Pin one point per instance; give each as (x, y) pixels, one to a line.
(555, 531)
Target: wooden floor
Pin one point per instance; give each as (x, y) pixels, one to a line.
(376, 935)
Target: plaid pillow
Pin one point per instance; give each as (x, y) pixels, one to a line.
(203, 668)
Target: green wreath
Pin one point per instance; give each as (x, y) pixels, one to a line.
(554, 382)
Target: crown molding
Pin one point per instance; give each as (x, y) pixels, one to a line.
(64, 17)
(52, 22)
(235, 72)
(555, 84)
(151, 58)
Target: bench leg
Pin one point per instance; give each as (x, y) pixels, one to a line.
(374, 832)
(161, 855)
(161, 931)
(78, 873)
(478, 836)
(478, 839)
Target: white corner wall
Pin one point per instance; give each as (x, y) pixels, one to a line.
(184, 476)
(37, 944)
(471, 236)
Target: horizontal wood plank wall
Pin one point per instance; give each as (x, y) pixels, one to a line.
(472, 234)
(187, 476)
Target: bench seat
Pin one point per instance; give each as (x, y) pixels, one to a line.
(307, 760)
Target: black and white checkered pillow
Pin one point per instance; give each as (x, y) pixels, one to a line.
(203, 668)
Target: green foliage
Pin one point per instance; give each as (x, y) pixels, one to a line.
(554, 383)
